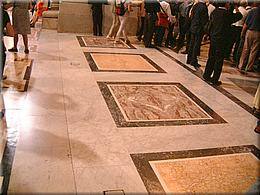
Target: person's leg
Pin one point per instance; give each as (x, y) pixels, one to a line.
(3, 54)
(121, 28)
(210, 62)
(191, 45)
(149, 30)
(141, 30)
(237, 42)
(245, 51)
(239, 51)
(25, 41)
(14, 49)
(124, 24)
(95, 22)
(115, 23)
(169, 39)
(254, 50)
(100, 23)
(218, 62)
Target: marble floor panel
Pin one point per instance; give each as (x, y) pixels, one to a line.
(18, 71)
(102, 42)
(121, 62)
(250, 86)
(155, 104)
(216, 170)
(225, 88)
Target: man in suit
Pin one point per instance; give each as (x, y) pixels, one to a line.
(97, 15)
(220, 25)
(198, 19)
(152, 7)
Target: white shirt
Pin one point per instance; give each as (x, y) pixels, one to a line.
(166, 7)
(211, 8)
(243, 11)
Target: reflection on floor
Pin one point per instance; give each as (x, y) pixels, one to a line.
(102, 42)
(18, 72)
(249, 86)
(219, 170)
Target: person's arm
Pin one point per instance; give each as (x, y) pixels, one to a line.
(243, 33)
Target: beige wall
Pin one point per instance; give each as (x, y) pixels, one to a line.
(76, 17)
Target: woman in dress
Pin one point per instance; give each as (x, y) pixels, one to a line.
(21, 23)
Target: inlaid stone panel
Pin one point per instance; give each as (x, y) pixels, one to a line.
(102, 42)
(121, 62)
(155, 104)
(217, 170)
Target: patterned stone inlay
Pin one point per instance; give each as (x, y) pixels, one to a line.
(134, 104)
(234, 173)
(155, 102)
(102, 42)
(225, 170)
(122, 62)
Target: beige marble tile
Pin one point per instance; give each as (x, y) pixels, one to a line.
(150, 102)
(234, 173)
(46, 170)
(109, 178)
(122, 62)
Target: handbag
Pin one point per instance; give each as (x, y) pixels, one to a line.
(163, 19)
(9, 30)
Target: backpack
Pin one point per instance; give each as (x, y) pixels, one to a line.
(120, 9)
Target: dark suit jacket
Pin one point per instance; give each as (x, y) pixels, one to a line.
(220, 23)
(199, 18)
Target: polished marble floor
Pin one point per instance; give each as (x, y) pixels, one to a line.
(149, 124)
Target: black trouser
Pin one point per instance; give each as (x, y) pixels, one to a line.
(159, 34)
(194, 48)
(3, 56)
(171, 39)
(97, 22)
(183, 31)
(215, 61)
(229, 40)
(149, 28)
(140, 31)
(237, 34)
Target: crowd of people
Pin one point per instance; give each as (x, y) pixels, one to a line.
(232, 27)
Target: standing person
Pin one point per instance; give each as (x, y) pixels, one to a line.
(115, 22)
(152, 7)
(123, 8)
(141, 15)
(165, 13)
(21, 23)
(256, 108)
(251, 32)
(220, 24)
(40, 8)
(171, 36)
(237, 29)
(199, 17)
(97, 16)
(242, 39)
(6, 24)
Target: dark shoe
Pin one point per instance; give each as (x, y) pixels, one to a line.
(184, 52)
(13, 50)
(206, 79)
(26, 51)
(218, 83)
(4, 77)
(257, 129)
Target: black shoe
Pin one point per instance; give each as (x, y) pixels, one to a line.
(184, 52)
(26, 51)
(13, 50)
(218, 83)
